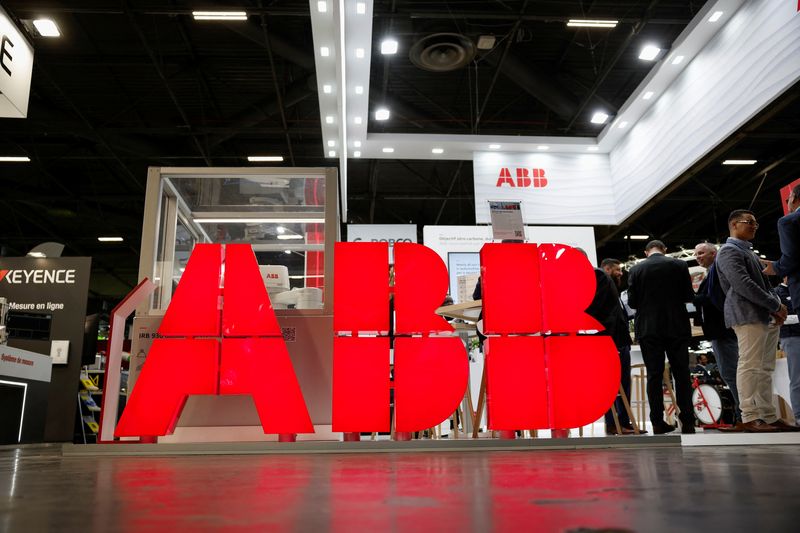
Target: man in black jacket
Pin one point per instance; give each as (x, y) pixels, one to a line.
(659, 289)
(607, 309)
(709, 317)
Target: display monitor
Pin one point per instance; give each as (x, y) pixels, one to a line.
(25, 325)
(464, 269)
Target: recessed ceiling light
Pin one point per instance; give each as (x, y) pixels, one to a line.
(387, 150)
(361, 8)
(262, 158)
(110, 239)
(332, 153)
(581, 23)
(46, 28)
(14, 159)
(331, 143)
(494, 147)
(382, 114)
(388, 47)
(356, 154)
(219, 15)
(715, 16)
(287, 251)
(359, 53)
(623, 125)
(542, 147)
(357, 144)
(593, 148)
(437, 151)
(638, 237)
(356, 120)
(359, 89)
(329, 119)
(648, 95)
(327, 88)
(324, 51)
(649, 52)
(599, 117)
(322, 7)
(740, 162)
(678, 60)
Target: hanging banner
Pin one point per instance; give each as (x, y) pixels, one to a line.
(785, 191)
(16, 67)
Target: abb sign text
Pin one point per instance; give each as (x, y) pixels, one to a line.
(220, 336)
(524, 178)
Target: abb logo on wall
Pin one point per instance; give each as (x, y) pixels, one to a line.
(220, 336)
(533, 177)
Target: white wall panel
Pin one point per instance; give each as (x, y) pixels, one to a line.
(749, 63)
(578, 189)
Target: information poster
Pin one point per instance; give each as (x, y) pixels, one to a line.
(506, 221)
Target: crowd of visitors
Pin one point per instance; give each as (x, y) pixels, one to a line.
(739, 310)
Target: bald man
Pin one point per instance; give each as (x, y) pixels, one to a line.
(710, 318)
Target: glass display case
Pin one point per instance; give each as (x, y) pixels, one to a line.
(288, 215)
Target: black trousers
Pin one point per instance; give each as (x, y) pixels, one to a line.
(677, 349)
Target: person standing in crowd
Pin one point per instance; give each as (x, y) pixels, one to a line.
(749, 304)
(788, 266)
(710, 318)
(607, 309)
(659, 289)
(790, 344)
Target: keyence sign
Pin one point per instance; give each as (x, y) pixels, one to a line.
(541, 372)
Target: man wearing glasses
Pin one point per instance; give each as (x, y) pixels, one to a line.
(754, 313)
(788, 266)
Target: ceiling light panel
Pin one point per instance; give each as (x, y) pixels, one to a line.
(46, 28)
(583, 23)
(219, 15)
(388, 47)
(649, 52)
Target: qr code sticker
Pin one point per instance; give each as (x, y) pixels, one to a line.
(289, 334)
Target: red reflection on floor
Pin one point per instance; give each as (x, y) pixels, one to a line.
(420, 492)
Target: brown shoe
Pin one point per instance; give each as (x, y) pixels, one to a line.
(782, 426)
(758, 426)
(738, 428)
(633, 431)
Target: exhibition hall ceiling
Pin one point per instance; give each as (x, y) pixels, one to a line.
(132, 84)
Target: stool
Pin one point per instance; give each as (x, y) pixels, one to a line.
(639, 391)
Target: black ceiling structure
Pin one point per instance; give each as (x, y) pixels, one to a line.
(138, 83)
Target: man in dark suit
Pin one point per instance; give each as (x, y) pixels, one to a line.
(659, 289)
(788, 266)
(607, 309)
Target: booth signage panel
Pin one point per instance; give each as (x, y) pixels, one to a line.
(553, 188)
(389, 233)
(23, 364)
(16, 67)
(51, 293)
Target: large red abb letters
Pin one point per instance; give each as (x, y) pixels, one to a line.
(540, 373)
(242, 351)
(430, 365)
(220, 336)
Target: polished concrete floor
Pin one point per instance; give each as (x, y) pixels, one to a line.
(755, 488)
